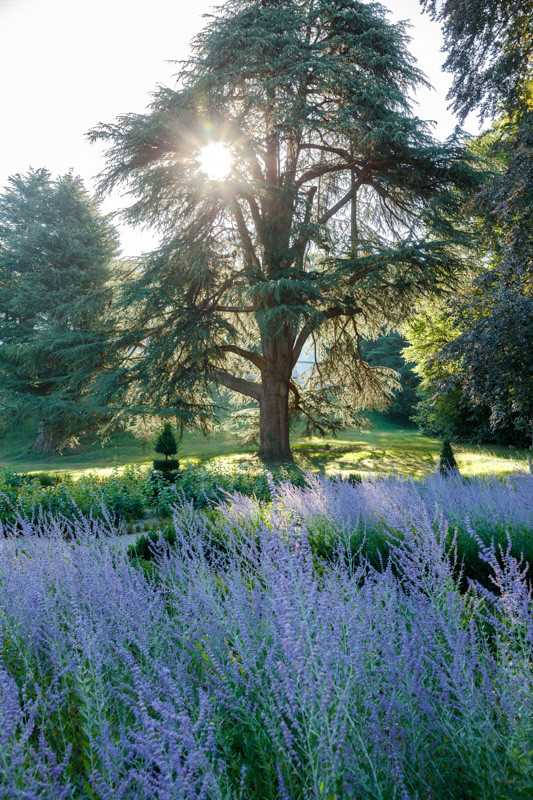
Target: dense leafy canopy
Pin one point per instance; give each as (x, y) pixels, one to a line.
(318, 235)
(490, 49)
(490, 52)
(446, 406)
(55, 255)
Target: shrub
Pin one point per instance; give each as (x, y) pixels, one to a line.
(124, 495)
(354, 477)
(149, 544)
(170, 465)
(357, 524)
(447, 463)
(166, 442)
(129, 493)
(250, 674)
(48, 479)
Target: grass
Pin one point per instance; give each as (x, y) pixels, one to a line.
(389, 448)
(384, 448)
(121, 450)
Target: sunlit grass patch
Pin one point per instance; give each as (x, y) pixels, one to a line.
(383, 449)
(386, 449)
(484, 461)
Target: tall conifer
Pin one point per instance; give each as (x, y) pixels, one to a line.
(55, 256)
(317, 235)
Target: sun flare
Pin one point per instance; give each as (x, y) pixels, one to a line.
(215, 161)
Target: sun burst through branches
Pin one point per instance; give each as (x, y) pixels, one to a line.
(215, 161)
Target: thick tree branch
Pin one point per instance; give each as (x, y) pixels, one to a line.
(254, 358)
(338, 151)
(308, 328)
(239, 385)
(325, 169)
(347, 197)
(255, 212)
(310, 198)
(213, 301)
(300, 245)
(293, 143)
(244, 235)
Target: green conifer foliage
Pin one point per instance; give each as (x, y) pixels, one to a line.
(56, 251)
(166, 441)
(318, 235)
(386, 351)
(447, 463)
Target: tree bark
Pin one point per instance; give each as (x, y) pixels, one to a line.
(274, 418)
(44, 443)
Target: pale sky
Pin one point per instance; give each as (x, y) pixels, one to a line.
(66, 65)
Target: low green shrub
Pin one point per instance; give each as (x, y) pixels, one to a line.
(148, 543)
(353, 546)
(354, 477)
(356, 546)
(49, 479)
(166, 465)
(124, 495)
(467, 564)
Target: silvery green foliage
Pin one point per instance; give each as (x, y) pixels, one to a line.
(248, 672)
(340, 208)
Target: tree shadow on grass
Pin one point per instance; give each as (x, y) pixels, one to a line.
(346, 459)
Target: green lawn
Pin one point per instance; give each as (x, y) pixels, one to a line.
(384, 448)
(388, 448)
(121, 450)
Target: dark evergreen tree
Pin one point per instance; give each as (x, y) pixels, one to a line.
(55, 256)
(166, 441)
(317, 236)
(386, 351)
(447, 463)
(490, 52)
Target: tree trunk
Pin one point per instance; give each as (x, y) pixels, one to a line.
(274, 418)
(44, 443)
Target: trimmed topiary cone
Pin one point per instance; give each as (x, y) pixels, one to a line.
(166, 441)
(447, 463)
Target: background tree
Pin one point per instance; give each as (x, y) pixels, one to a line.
(492, 355)
(315, 237)
(56, 251)
(387, 351)
(444, 406)
(490, 52)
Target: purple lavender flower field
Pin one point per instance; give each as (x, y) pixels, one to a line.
(262, 668)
